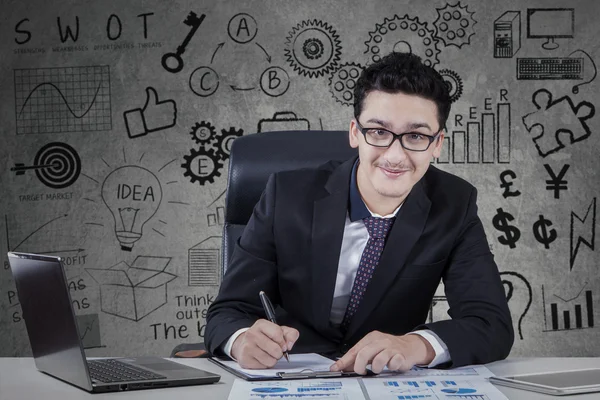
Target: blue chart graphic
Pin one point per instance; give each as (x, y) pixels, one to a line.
(66, 99)
(269, 390)
(459, 391)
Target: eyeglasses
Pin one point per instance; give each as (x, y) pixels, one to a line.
(413, 141)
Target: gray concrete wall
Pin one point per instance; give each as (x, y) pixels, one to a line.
(89, 102)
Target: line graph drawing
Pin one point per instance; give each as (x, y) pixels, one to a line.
(64, 99)
(89, 330)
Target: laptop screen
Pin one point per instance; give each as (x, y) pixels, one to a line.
(46, 304)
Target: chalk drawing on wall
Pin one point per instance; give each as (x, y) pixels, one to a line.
(550, 24)
(568, 314)
(89, 330)
(343, 81)
(204, 263)
(173, 62)
(204, 81)
(486, 141)
(242, 28)
(556, 182)
(558, 68)
(542, 231)
(225, 140)
(202, 165)
(274, 81)
(133, 291)
(216, 215)
(582, 232)
(57, 165)
(132, 194)
(557, 119)
(203, 132)
(455, 25)
(31, 234)
(313, 48)
(516, 286)
(283, 121)
(506, 184)
(64, 99)
(453, 82)
(507, 34)
(154, 116)
(406, 34)
(510, 233)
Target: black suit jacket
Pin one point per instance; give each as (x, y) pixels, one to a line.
(291, 248)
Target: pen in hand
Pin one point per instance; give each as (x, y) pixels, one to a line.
(270, 312)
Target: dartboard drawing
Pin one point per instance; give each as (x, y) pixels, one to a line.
(60, 164)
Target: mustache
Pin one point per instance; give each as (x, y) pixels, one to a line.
(392, 167)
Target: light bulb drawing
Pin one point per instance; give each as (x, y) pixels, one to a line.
(133, 195)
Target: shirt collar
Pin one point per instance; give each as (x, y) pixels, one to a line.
(357, 209)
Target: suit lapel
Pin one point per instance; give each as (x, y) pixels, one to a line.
(405, 232)
(328, 223)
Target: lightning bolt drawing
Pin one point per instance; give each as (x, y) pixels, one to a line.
(581, 235)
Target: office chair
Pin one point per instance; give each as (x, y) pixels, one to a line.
(252, 160)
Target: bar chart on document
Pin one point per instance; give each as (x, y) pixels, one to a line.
(432, 384)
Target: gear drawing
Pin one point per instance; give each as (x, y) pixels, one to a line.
(404, 34)
(313, 48)
(203, 132)
(206, 167)
(454, 25)
(224, 141)
(343, 81)
(454, 83)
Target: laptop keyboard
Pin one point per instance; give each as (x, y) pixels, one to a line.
(111, 370)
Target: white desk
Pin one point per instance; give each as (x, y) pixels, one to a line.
(20, 380)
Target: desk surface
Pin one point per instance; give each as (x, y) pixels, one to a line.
(19, 379)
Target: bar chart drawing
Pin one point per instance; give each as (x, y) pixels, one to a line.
(575, 313)
(487, 141)
(216, 218)
(204, 263)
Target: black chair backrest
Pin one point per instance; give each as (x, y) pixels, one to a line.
(255, 157)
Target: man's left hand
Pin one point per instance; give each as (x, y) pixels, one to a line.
(398, 353)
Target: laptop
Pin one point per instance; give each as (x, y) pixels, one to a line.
(57, 349)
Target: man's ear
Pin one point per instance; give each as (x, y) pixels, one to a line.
(353, 134)
(438, 143)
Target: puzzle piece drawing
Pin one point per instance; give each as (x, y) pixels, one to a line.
(556, 119)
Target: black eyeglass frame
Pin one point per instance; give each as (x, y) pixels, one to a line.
(397, 136)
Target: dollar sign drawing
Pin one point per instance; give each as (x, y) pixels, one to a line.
(506, 185)
(511, 233)
(541, 232)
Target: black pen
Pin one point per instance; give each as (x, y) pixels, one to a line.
(268, 306)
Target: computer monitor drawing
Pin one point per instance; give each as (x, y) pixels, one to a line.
(550, 23)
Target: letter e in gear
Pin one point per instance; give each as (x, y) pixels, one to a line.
(202, 166)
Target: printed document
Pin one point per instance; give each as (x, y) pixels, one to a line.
(305, 389)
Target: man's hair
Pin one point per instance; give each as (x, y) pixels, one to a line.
(405, 73)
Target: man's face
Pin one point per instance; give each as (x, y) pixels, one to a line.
(392, 172)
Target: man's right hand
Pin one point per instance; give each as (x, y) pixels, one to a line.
(263, 344)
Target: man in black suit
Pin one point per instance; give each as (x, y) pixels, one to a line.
(314, 245)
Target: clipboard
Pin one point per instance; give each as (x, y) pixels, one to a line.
(305, 373)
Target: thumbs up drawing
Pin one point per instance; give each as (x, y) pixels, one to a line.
(154, 116)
